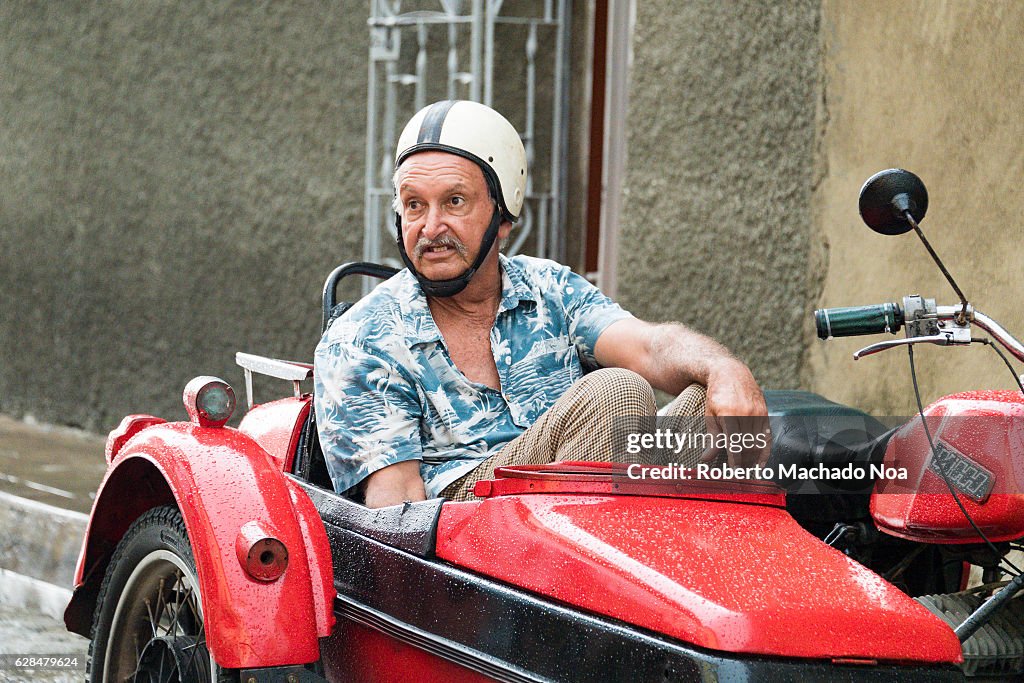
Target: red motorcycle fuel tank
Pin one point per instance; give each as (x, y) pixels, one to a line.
(979, 444)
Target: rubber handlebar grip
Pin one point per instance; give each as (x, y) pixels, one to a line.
(858, 320)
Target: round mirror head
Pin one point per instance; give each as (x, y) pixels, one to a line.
(886, 195)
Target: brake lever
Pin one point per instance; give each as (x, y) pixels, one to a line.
(958, 336)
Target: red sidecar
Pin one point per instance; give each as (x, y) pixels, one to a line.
(216, 553)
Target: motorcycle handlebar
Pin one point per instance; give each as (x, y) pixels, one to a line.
(858, 320)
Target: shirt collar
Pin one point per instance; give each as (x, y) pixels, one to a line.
(514, 288)
(420, 325)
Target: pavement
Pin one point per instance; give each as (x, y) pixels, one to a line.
(48, 479)
(55, 465)
(26, 632)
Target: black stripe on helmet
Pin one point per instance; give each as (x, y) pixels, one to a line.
(430, 129)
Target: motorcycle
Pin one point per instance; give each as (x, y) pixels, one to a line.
(224, 554)
(959, 495)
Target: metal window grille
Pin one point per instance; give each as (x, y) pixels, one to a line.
(512, 56)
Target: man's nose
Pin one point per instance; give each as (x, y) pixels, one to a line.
(434, 224)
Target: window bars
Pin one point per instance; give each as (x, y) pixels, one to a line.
(511, 55)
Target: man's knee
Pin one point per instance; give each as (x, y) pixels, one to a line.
(622, 389)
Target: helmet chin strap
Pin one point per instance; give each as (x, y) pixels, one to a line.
(451, 286)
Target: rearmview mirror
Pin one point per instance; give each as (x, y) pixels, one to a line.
(885, 198)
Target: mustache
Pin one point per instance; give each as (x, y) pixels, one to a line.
(443, 241)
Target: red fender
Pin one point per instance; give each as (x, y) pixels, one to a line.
(220, 480)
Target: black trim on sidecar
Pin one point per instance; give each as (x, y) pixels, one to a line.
(411, 527)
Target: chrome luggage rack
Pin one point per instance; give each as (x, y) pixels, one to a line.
(290, 370)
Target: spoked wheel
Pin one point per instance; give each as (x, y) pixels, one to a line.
(148, 625)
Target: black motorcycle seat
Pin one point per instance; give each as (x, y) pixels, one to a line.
(809, 429)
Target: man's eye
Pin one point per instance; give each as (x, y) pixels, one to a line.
(457, 201)
(412, 205)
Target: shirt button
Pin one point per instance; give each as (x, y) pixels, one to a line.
(508, 360)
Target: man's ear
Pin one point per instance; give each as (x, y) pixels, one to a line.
(504, 230)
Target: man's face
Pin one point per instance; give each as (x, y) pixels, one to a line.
(445, 210)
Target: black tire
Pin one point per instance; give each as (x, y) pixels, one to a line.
(151, 582)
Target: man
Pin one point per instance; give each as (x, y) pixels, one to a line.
(467, 360)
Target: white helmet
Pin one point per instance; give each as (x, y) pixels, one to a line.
(478, 133)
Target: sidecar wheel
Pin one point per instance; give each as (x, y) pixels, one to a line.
(148, 624)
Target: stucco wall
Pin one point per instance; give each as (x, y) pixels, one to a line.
(934, 87)
(175, 182)
(717, 199)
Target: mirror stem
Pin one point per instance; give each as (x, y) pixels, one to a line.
(961, 317)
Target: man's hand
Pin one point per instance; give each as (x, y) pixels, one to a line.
(735, 405)
(395, 484)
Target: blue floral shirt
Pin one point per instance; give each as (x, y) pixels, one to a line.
(387, 391)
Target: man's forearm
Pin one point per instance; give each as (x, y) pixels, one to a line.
(395, 484)
(680, 357)
(733, 395)
(671, 357)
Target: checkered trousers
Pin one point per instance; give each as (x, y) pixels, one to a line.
(588, 423)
